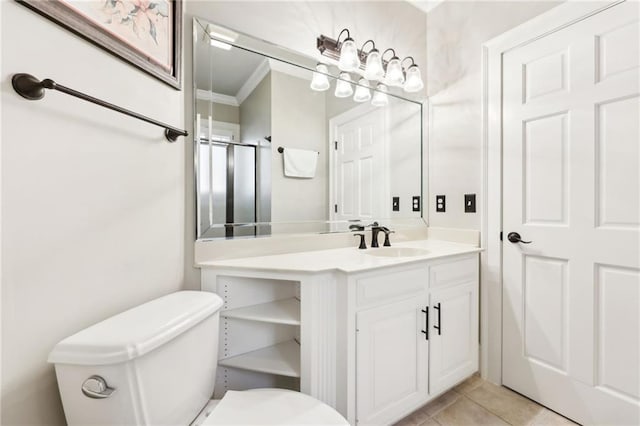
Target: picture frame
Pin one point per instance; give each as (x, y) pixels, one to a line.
(144, 33)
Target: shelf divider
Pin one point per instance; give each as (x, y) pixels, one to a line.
(282, 359)
(285, 311)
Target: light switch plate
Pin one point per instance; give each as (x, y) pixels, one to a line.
(395, 204)
(469, 203)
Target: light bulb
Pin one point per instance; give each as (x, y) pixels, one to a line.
(414, 80)
(395, 76)
(343, 86)
(363, 94)
(373, 69)
(380, 96)
(349, 60)
(320, 82)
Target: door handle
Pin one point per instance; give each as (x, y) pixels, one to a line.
(439, 326)
(426, 322)
(514, 237)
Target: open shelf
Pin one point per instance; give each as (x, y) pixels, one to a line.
(282, 359)
(285, 311)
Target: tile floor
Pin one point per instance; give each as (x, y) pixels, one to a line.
(477, 402)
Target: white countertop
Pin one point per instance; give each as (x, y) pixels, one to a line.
(348, 260)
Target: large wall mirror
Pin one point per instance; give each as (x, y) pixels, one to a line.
(274, 156)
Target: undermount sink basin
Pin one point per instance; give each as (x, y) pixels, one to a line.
(397, 252)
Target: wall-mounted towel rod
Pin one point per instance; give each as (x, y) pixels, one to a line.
(281, 150)
(31, 88)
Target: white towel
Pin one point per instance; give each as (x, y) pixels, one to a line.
(300, 163)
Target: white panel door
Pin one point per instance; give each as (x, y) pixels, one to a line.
(571, 302)
(453, 335)
(391, 361)
(359, 168)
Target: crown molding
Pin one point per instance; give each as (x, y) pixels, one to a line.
(252, 82)
(217, 98)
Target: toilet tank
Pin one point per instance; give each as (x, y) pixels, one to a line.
(159, 358)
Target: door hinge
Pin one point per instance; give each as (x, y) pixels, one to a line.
(335, 208)
(500, 235)
(335, 145)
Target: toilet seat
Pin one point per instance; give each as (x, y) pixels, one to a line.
(269, 407)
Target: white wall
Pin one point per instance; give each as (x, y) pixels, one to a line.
(92, 202)
(455, 33)
(297, 121)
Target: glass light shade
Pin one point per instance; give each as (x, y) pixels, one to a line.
(413, 82)
(395, 76)
(320, 81)
(380, 97)
(363, 94)
(374, 70)
(343, 86)
(349, 60)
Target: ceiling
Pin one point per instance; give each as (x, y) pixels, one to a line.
(425, 5)
(230, 69)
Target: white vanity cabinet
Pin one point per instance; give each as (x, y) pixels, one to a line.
(453, 337)
(416, 335)
(392, 353)
(374, 339)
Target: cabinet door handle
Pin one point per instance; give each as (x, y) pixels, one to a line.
(439, 326)
(426, 322)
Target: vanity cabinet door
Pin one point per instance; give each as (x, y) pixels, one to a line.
(392, 360)
(453, 335)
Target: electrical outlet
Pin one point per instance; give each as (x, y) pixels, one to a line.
(395, 205)
(416, 203)
(441, 203)
(469, 203)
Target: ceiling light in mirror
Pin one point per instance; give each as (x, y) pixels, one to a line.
(343, 86)
(320, 81)
(363, 94)
(220, 44)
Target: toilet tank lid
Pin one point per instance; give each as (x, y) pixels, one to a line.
(137, 331)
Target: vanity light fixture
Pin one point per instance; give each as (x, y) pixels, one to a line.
(380, 97)
(373, 69)
(343, 86)
(413, 82)
(371, 64)
(320, 81)
(349, 56)
(394, 75)
(363, 94)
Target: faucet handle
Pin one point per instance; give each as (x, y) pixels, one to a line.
(363, 245)
(356, 227)
(386, 231)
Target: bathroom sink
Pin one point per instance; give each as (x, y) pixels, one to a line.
(397, 252)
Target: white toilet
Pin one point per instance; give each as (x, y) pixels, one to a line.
(156, 364)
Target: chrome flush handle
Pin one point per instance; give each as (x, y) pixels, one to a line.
(96, 387)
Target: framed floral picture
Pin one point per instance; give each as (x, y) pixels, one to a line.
(145, 33)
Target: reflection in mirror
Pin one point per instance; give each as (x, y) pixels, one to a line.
(276, 156)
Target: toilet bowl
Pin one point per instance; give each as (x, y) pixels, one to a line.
(155, 364)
